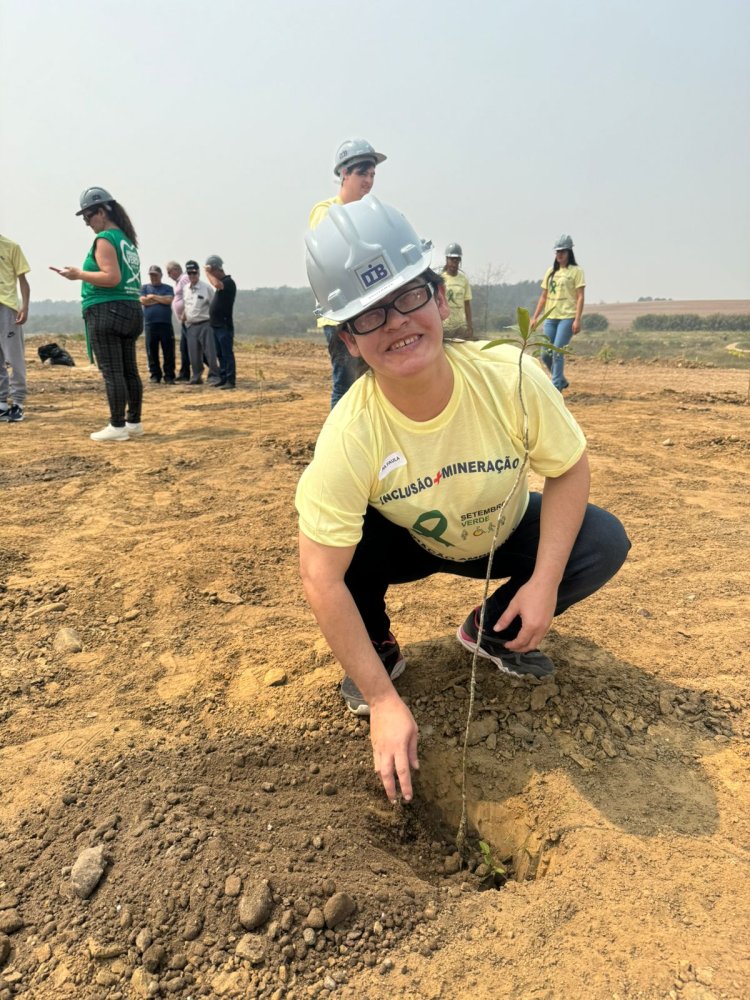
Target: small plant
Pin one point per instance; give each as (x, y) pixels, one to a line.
(497, 874)
(529, 342)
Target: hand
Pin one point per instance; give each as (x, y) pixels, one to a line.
(71, 273)
(576, 326)
(21, 316)
(534, 604)
(394, 733)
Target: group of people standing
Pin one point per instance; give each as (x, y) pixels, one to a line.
(116, 307)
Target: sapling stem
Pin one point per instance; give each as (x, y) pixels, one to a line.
(525, 331)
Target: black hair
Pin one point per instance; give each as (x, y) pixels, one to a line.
(571, 261)
(121, 219)
(360, 167)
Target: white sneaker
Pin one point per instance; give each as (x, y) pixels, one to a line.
(134, 430)
(110, 433)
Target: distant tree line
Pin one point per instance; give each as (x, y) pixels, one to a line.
(691, 321)
(289, 312)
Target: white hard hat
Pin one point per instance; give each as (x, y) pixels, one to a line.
(359, 253)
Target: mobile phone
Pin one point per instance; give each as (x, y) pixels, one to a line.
(58, 269)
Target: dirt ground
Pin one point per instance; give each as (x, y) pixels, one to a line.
(196, 747)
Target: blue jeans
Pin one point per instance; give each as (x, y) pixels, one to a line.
(224, 338)
(345, 369)
(559, 332)
(387, 554)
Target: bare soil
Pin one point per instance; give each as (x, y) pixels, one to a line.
(622, 314)
(198, 738)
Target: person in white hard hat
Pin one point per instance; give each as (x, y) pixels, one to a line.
(411, 468)
(458, 295)
(354, 165)
(563, 289)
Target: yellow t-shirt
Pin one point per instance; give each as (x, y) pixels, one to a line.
(561, 291)
(317, 214)
(457, 291)
(442, 479)
(12, 264)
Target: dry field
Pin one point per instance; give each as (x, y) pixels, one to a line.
(622, 314)
(196, 745)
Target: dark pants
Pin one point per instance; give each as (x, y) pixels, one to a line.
(184, 353)
(113, 329)
(160, 335)
(388, 554)
(224, 338)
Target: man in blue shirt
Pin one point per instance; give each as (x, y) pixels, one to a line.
(156, 299)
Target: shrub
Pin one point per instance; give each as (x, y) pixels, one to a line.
(594, 323)
(691, 321)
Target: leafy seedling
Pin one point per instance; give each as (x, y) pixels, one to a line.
(497, 874)
(528, 341)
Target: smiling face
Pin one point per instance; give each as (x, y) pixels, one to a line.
(451, 265)
(405, 345)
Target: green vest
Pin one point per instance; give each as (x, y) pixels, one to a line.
(129, 288)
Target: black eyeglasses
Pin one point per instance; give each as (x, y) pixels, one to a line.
(89, 215)
(405, 303)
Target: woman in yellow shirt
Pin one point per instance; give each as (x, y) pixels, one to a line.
(410, 471)
(562, 297)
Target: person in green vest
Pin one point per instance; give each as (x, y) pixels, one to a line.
(110, 291)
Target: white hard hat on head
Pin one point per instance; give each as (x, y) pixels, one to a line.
(359, 253)
(352, 151)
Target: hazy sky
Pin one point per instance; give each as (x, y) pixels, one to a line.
(505, 122)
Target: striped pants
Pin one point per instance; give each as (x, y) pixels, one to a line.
(113, 329)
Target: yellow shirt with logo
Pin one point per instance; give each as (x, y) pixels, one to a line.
(561, 291)
(318, 212)
(443, 479)
(12, 264)
(457, 291)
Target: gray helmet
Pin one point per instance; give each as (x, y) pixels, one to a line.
(93, 197)
(359, 253)
(353, 151)
(454, 250)
(564, 243)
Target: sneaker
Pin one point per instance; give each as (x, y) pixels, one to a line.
(182, 378)
(134, 430)
(393, 661)
(110, 433)
(227, 385)
(169, 381)
(534, 663)
(4, 414)
(154, 378)
(195, 381)
(15, 414)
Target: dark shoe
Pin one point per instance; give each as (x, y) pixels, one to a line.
(4, 415)
(394, 663)
(219, 385)
(196, 381)
(169, 381)
(154, 378)
(534, 664)
(182, 378)
(227, 385)
(15, 414)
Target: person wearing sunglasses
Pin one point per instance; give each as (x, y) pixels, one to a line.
(412, 467)
(110, 296)
(354, 165)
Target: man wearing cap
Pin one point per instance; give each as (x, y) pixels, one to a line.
(354, 165)
(222, 306)
(200, 336)
(156, 299)
(458, 296)
(13, 270)
(175, 272)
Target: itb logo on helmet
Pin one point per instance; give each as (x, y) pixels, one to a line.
(373, 272)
